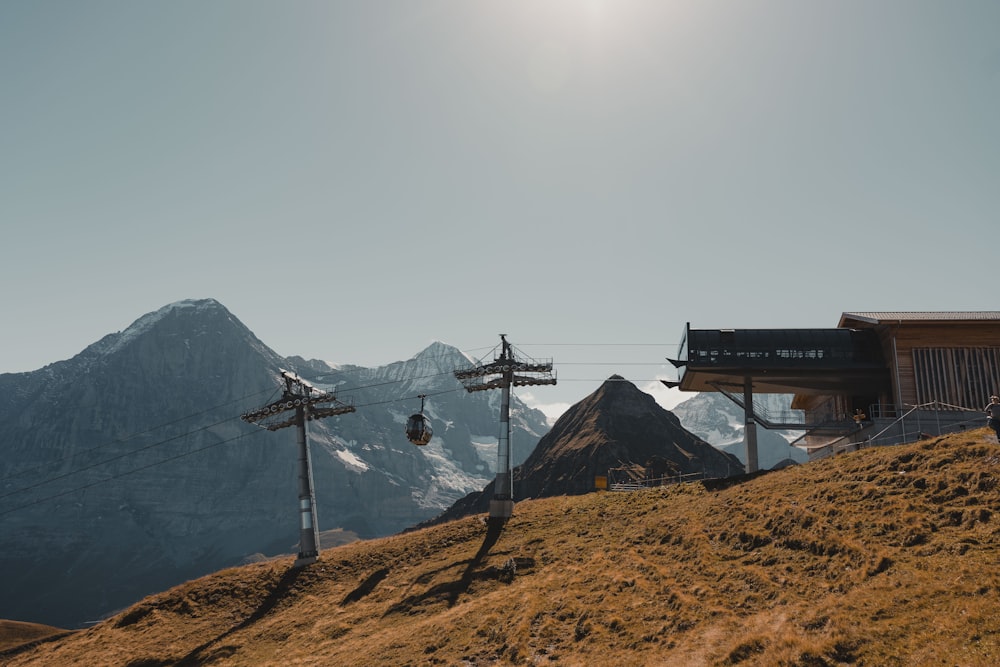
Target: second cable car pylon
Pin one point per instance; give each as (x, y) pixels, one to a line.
(506, 370)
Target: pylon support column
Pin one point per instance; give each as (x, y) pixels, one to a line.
(502, 504)
(308, 522)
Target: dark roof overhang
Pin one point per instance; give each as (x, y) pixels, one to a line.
(796, 361)
(825, 381)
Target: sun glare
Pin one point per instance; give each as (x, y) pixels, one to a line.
(595, 9)
(602, 24)
(563, 42)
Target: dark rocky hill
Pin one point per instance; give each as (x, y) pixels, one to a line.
(619, 431)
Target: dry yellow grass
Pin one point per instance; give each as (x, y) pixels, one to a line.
(878, 557)
(16, 633)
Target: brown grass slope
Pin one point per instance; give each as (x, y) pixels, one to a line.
(16, 633)
(880, 557)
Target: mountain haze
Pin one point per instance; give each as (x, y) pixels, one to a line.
(126, 469)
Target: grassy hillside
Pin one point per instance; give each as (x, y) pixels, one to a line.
(15, 633)
(880, 557)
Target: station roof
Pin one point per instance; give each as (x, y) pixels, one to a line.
(846, 319)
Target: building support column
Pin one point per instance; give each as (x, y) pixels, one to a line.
(750, 425)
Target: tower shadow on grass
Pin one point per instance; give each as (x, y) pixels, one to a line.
(494, 527)
(451, 590)
(198, 656)
(366, 586)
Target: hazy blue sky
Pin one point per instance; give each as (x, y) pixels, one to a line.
(354, 180)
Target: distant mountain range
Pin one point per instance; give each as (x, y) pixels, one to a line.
(720, 421)
(126, 469)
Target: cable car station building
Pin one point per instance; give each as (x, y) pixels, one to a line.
(877, 378)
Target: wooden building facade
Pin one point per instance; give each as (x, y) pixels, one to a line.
(951, 358)
(876, 376)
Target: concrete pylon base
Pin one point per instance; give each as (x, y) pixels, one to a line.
(501, 509)
(302, 561)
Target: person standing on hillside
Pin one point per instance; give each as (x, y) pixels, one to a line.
(992, 411)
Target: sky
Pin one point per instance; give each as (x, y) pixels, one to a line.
(355, 180)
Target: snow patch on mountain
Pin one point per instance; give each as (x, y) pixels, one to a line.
(351, 461)
(448, 479)
(486, 449)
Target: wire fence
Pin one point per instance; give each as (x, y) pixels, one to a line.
(918, 422)
(650, 482)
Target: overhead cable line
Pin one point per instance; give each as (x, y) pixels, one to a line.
(84, 487)
(597, 344)
(130, 436)
(609, 363)
(377, 384)
(118, 457)
(408, 398)
(608, 379)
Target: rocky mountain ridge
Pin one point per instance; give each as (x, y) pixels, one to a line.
(126, 469)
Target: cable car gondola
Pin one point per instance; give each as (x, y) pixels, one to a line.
(418, 427)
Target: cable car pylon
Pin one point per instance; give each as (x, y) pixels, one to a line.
(306, 403)
(506, 370)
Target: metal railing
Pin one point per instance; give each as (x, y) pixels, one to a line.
(919, 422)
(651, 482)
(785, 419)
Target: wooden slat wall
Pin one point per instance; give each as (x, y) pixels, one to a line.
(964, 377)
(961, 361)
